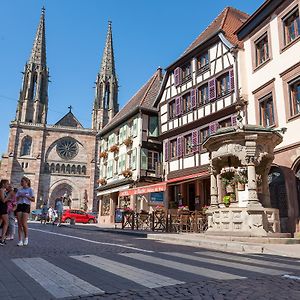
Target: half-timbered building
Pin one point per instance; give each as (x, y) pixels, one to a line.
(130, 155)
(197, 97)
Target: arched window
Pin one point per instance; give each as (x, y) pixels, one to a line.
(52, 168)
(83, 170)
(68, 169)
(63, 168)
(73, 169)
(26, 146)
(57, 169)
(78, 169)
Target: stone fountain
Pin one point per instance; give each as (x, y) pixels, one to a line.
(249, 150)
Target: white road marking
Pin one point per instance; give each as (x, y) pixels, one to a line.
(140, 276)
(224, 263)
(240, 258)
(91, 241)
(55, 280)
(291, 277)
(206, 272)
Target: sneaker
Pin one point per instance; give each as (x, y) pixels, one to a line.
(25, 243)
(2, 243)
(20, 243)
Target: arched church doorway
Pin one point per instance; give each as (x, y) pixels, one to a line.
(62, 190)
(278, 195)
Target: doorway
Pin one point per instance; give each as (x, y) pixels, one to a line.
(191, 196)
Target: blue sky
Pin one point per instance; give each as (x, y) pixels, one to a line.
(146, 34)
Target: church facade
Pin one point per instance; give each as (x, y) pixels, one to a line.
(60, 159)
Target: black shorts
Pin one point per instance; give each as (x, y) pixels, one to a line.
(3, 208)
(25, 208)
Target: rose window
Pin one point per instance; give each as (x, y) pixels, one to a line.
(67, 148)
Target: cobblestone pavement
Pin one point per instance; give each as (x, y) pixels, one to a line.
(71, 263)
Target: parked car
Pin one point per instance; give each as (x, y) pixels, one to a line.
(80, 216)
(36, 215)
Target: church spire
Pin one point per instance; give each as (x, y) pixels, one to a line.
(38, 53)
(108, 62)
(106, 98)
(33, 100)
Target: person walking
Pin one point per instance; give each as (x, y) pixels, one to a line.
(11, 207)
(4, 197)
(59, 206)
(24, 197)
(50, 214)
(44, 213)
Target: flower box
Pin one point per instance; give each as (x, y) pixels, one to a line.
(102, 181)
(128, 141)
(127, 173)
(114, 148)
(103, 154)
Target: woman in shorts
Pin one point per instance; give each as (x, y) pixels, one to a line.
(4, 197)
(24, 198)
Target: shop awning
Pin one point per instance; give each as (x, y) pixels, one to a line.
(188, 177)
(152, 188)
(114, 190)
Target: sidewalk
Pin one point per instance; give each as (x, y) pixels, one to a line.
(289, 247)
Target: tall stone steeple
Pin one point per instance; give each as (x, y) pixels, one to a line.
(33, 100)
(106, 96)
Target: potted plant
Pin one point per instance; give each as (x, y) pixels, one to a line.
(240, 180)
(103, 154)
(227, 180)
(128, 141)
(226, 200)
(114, 148)
(127, 173)
(102, 181)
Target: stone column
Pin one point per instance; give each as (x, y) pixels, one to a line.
(213, 190)
(252, 184)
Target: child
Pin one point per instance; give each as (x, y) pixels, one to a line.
(11, 207)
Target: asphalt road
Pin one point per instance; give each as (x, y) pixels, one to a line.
(73, 263)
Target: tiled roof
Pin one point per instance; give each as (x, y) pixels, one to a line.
(229, 20)
(143, 98)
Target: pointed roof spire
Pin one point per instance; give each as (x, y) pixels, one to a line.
(38, 53)
(108, 61)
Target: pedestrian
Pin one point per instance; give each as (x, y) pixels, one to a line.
(59, 206)
(11, 208)
(4, 197)
(24, 197)
(50, 214)
(44, 213)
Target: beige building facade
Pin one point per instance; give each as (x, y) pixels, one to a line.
(270, 81)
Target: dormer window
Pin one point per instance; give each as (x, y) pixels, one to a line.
(202, 62)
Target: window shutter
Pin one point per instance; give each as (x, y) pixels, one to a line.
(195, 140)
(212, 93)
(144, 159)
(166, 150)
(194, 98)
(133, 159)
(213, 127)
(134, 127)
(233, 120)
(179, 147)
(178, 106)
(231, 79)
(177, 76)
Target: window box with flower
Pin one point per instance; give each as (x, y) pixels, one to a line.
(127, 173)
(128, 141)
(103, 154)
(227, 179)
(102, 181)
(114, 148)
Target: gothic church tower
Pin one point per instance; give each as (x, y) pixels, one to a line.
(33, 100)
(106, 97)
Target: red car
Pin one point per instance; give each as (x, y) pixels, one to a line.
(78, 215)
